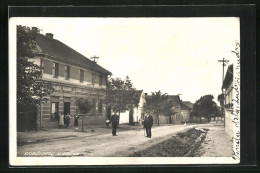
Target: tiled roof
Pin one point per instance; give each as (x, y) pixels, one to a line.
(175, 99)
(59, 50)
(188, 103)
(185, 107)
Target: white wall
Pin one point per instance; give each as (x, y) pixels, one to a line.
(228, 122)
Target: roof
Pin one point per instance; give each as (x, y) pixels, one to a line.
(185, 107)
(188, 103)
(175, 99)
(228, 77)
(59, 50)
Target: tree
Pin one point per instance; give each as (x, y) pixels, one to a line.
(221, 102)
(158, 105)
(120, 94)
(205, 107)
(84, 106)
(30, 89)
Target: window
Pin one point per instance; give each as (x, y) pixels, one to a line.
(81, 75)
(100, 106)
(55, 71)
(67, 72)
(94, 105)
(93, 78)
(100, 80)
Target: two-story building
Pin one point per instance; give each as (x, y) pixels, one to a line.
(73, 76)
(228, 89)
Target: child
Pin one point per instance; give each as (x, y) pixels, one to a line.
(76, 121)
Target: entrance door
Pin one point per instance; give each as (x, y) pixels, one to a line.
(54, 110)
(66, 108)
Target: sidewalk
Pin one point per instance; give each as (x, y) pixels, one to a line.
(217, 143)
(59, 134)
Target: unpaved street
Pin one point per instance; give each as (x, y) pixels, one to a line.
(99, 145)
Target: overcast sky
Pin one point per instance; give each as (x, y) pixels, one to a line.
(174, 55)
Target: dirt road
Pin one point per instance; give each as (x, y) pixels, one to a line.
(101, 145)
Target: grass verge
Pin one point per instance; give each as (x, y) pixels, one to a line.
(184, 144)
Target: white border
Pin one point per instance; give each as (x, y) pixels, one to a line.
(38, 161)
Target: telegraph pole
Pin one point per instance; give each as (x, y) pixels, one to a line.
(95, 58)
(223, 61)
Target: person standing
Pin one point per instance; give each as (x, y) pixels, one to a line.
(67, 120)
(114, 121)
(61, 120)
(76, 121)
(148, 123)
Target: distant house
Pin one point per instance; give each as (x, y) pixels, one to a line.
(176, 117)
(136, 114)
(228, 88)
(73, 76)
(186, 108)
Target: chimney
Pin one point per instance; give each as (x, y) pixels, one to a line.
(35, 29)
(49, 35)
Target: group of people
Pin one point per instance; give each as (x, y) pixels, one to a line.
(148, 123)
(64, 121)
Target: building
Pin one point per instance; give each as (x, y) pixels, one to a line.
(177, 117)
(228, 105)
(136, 114)
(186, 108)
(73, 76)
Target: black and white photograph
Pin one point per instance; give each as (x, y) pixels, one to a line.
(125, 90)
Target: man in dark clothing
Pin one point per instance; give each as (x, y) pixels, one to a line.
(148, 123)
(114, 121)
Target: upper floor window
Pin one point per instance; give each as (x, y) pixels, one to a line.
(55, 70)
(67, 72)
(81, 75)
(100, 80)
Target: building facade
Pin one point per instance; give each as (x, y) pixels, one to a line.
(228, 89)
(136, 114)
(73, 76)
(186, 108)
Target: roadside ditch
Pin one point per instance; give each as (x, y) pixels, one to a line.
(183, 144)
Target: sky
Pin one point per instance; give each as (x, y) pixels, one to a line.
(173, 55)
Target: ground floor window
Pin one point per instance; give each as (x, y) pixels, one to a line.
(54, 111)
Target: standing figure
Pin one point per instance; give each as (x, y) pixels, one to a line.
(67, 120)
(114, 121)
(148, 123)
(61, 120)
(76, 121)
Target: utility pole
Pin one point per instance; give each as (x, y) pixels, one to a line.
(95, 58)
(223, 61)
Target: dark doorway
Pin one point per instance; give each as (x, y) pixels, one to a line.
(109, 112)
(66, 108)
(54, 111)
(131, 117)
